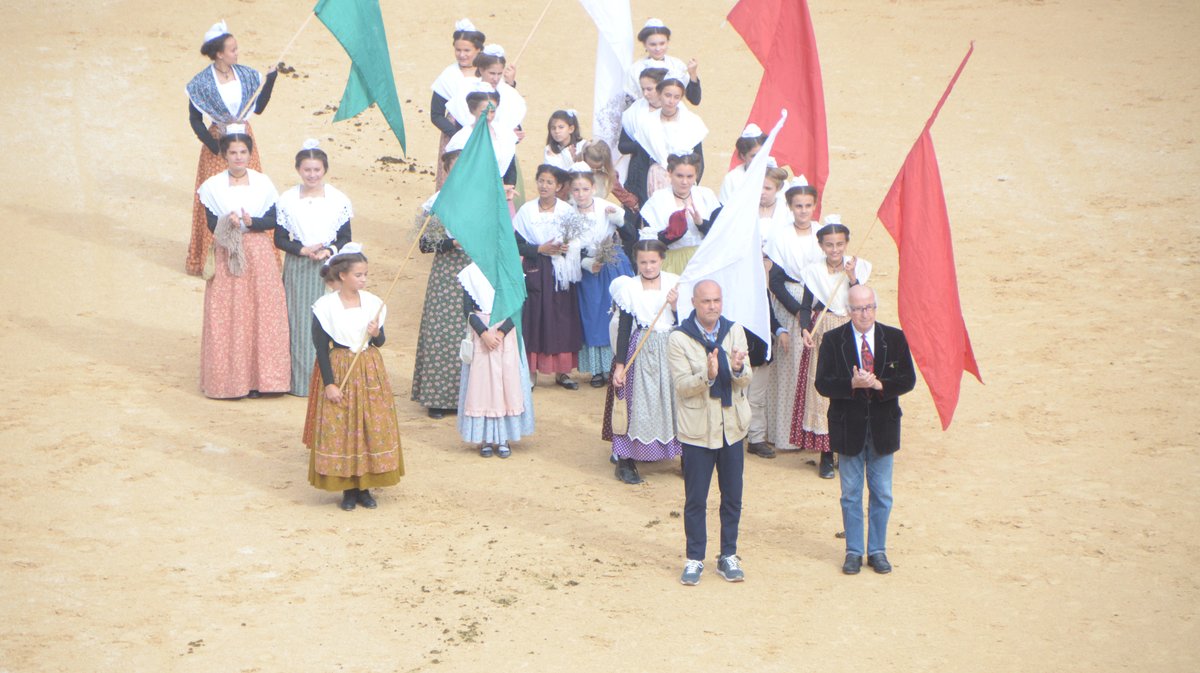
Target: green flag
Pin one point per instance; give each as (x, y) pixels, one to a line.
(358, 26)
(473, 208)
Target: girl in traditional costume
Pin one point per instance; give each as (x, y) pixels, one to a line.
(602, 261)
(645, 386)
(656, 38)
(351, 429)
(747, 146)
(493, 69)
(792, 247)
(563, 140)
(468, 42)
(314, 223)
(504, 140)
(681, 214)
(825, 285)
(244, 347)
(436, 367)
(495, 404)
(671, 129)
(222, 91)
(637, 172)
(552, 260)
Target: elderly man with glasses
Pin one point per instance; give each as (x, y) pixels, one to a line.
(863, 368)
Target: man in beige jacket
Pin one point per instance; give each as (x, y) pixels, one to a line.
(707, 354)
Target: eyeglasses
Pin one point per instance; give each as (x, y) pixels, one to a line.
(862, 309)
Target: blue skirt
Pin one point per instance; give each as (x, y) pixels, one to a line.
(595, 303)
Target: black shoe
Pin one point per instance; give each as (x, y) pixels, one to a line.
(436, 413)
(365, 499)
(626, 471)
(880, 563)
(598, 381)
(761, 449)
(566, 382)
(254, 394)
(612, 458)
(825, 469)
(349, 499)
(852, 565)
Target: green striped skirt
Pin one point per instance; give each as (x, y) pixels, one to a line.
(302, 285)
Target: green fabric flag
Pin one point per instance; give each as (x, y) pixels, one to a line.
(358, 26)
(473, 208)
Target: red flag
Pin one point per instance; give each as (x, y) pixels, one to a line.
(914, 212)
(780, 34)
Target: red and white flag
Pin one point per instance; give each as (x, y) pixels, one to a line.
(914, 212)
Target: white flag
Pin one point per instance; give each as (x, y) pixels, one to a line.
(731, 253)
(614, 53)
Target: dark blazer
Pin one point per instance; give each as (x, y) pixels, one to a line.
(851, 410)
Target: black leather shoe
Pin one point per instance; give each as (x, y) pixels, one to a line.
(349, 499)
(626, 471)
(880, 563)
(761, 449)
(366, 500)
(254, 394)
(852, 565)
(566, 382)
(436, 413)
(825, 469)
(598, 381)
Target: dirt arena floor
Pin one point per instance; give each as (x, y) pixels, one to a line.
(1052, 528)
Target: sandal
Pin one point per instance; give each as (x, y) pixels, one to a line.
(503, 451)
(485, 451)
(598, 381)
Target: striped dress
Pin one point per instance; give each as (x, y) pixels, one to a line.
(305, 221)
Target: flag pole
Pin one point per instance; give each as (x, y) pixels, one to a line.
(531, 32)
(388, 294)
(646, 335)
(246, 109)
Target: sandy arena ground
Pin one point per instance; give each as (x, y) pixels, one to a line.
(1052, 528)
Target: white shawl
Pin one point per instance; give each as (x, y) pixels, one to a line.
(603, 227)
(537, 228)
(476, 284)
(348, 326)
(821, 283)
(676, 69)
(449, 81)
(510, 113)
(504, 141)
(255, 198)
(661, 139)
(792, 251)
(629, 295)
(661, 205)
(313, 221)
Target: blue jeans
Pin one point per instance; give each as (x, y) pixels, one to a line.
(698, 464)
(878, 470)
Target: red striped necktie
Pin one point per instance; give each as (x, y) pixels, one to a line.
(868, 360)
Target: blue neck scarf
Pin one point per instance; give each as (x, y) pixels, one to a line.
(723, 386)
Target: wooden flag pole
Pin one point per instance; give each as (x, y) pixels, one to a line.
(531, 32)
(254, 98)
(386, 296)
(646, 335)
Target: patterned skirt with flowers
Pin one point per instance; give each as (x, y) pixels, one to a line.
(355, 443)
